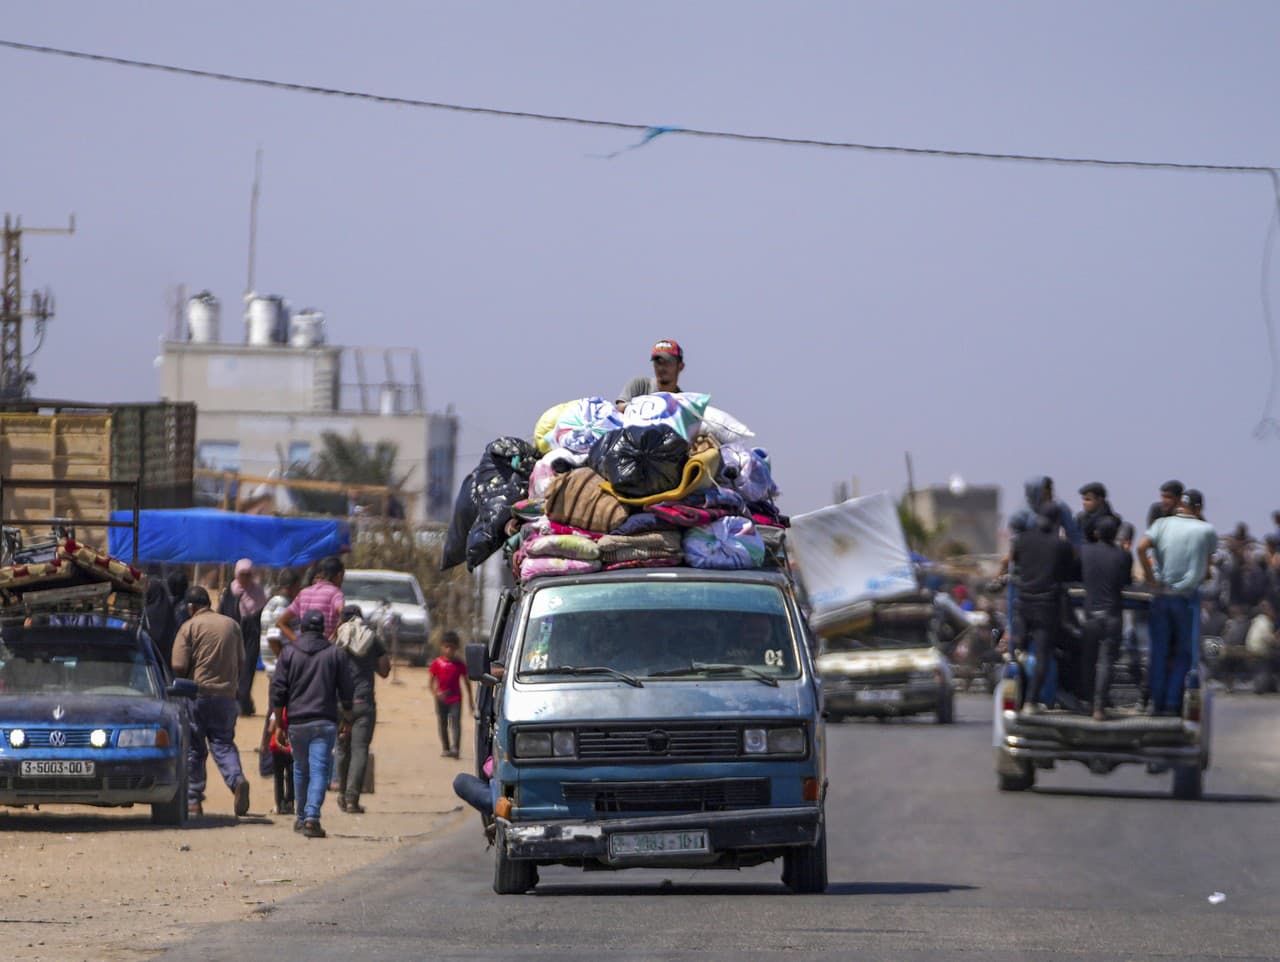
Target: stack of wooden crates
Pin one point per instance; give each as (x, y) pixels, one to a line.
(154, 443)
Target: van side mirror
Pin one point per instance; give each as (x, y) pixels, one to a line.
(477, 657)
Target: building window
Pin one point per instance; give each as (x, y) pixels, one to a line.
(216, 456)
(299, 452)
(219, 455)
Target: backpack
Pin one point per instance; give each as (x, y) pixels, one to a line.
(355, 637)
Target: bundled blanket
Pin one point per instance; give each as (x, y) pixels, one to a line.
(654, 545)
(577, 499)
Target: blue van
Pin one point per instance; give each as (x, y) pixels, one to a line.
(652, 718)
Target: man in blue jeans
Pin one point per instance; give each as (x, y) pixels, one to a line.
(208, 649)
(1182, 545)
(313, 682)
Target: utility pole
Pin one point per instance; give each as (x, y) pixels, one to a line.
(15, 379)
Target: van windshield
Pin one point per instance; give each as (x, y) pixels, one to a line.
(680, 631)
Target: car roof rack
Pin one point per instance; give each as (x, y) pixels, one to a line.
(102, 601)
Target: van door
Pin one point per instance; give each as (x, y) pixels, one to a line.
(486, 696)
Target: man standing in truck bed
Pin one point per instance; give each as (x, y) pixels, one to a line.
(1182, 545)
(1042, 564)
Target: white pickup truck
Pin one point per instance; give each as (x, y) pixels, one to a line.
(1027, 743)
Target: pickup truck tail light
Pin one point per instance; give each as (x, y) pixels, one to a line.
(1009, 685)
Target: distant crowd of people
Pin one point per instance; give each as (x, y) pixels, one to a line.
(1200, 585)
(320, 722)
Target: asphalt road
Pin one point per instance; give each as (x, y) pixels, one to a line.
(928, 861)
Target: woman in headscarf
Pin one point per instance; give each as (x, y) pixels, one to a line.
(161, 624)
(244, 602)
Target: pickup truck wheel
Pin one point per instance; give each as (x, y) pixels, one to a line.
(1188, 782)
(511, 876)
(174, 811)
(804, 869)
(1020, 782)
(946, 710)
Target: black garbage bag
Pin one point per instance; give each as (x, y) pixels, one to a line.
(641, 459)
(464, 516)
(498, 481)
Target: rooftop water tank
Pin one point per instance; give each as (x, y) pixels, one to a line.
(204, 315)
(306, 328)
(389, 399)
(267, 320)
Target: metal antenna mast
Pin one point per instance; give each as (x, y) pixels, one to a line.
(15, 379)
(253, 221)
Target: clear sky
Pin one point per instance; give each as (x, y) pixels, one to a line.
(996, 320)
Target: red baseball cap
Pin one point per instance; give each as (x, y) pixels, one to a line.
(667, 346)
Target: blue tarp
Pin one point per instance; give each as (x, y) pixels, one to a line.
(209, 536)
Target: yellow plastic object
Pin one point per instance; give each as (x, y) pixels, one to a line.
(545, 423)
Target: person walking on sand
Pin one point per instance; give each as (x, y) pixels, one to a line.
(313, 683)
(323, 595)
(368, 658)
(448, 681)
(208, 649)
(243, 602)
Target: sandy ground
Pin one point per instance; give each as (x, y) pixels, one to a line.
(106, 885)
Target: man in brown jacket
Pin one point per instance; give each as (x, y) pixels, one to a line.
(209, 650)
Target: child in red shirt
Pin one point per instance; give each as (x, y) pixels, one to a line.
(448, 681)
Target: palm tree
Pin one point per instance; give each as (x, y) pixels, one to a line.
(347, 460)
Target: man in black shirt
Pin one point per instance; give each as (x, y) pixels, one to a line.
(1170, 496)
(1093, 498)
(1042, 564)
(1106, 570)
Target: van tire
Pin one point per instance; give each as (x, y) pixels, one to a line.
(1188, 782)
(511, 876)
(804, 868)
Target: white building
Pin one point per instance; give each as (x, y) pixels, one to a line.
(264, 404)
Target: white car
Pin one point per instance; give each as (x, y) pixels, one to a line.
(403, 623)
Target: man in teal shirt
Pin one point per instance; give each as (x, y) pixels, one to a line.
(1182, 544)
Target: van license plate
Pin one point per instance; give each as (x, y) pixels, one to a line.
(880, 695)
(70, 768)
(658, 843)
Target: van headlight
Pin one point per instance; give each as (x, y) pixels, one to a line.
(560, 744)
(774, 741)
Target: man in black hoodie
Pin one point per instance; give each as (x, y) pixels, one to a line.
(312, 677)
(1042, 562)
(1093, 498)
(1106, 570)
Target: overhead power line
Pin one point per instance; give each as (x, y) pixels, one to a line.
(1269, 424)
(650, 130)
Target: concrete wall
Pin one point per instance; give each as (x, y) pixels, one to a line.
(238, 377)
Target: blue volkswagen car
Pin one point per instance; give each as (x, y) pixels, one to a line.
(89, 716)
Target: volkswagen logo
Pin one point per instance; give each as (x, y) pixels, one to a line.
(658, 742)
(58, 739)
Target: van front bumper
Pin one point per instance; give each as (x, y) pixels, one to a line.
(761, 828)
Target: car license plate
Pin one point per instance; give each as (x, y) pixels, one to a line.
(658, 843)
(71, 768)
(880, 695)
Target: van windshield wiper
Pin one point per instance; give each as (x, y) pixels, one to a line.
(715, 668)
(585, 670)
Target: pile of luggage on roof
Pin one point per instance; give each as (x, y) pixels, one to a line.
(667, 481)
(73, 564)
